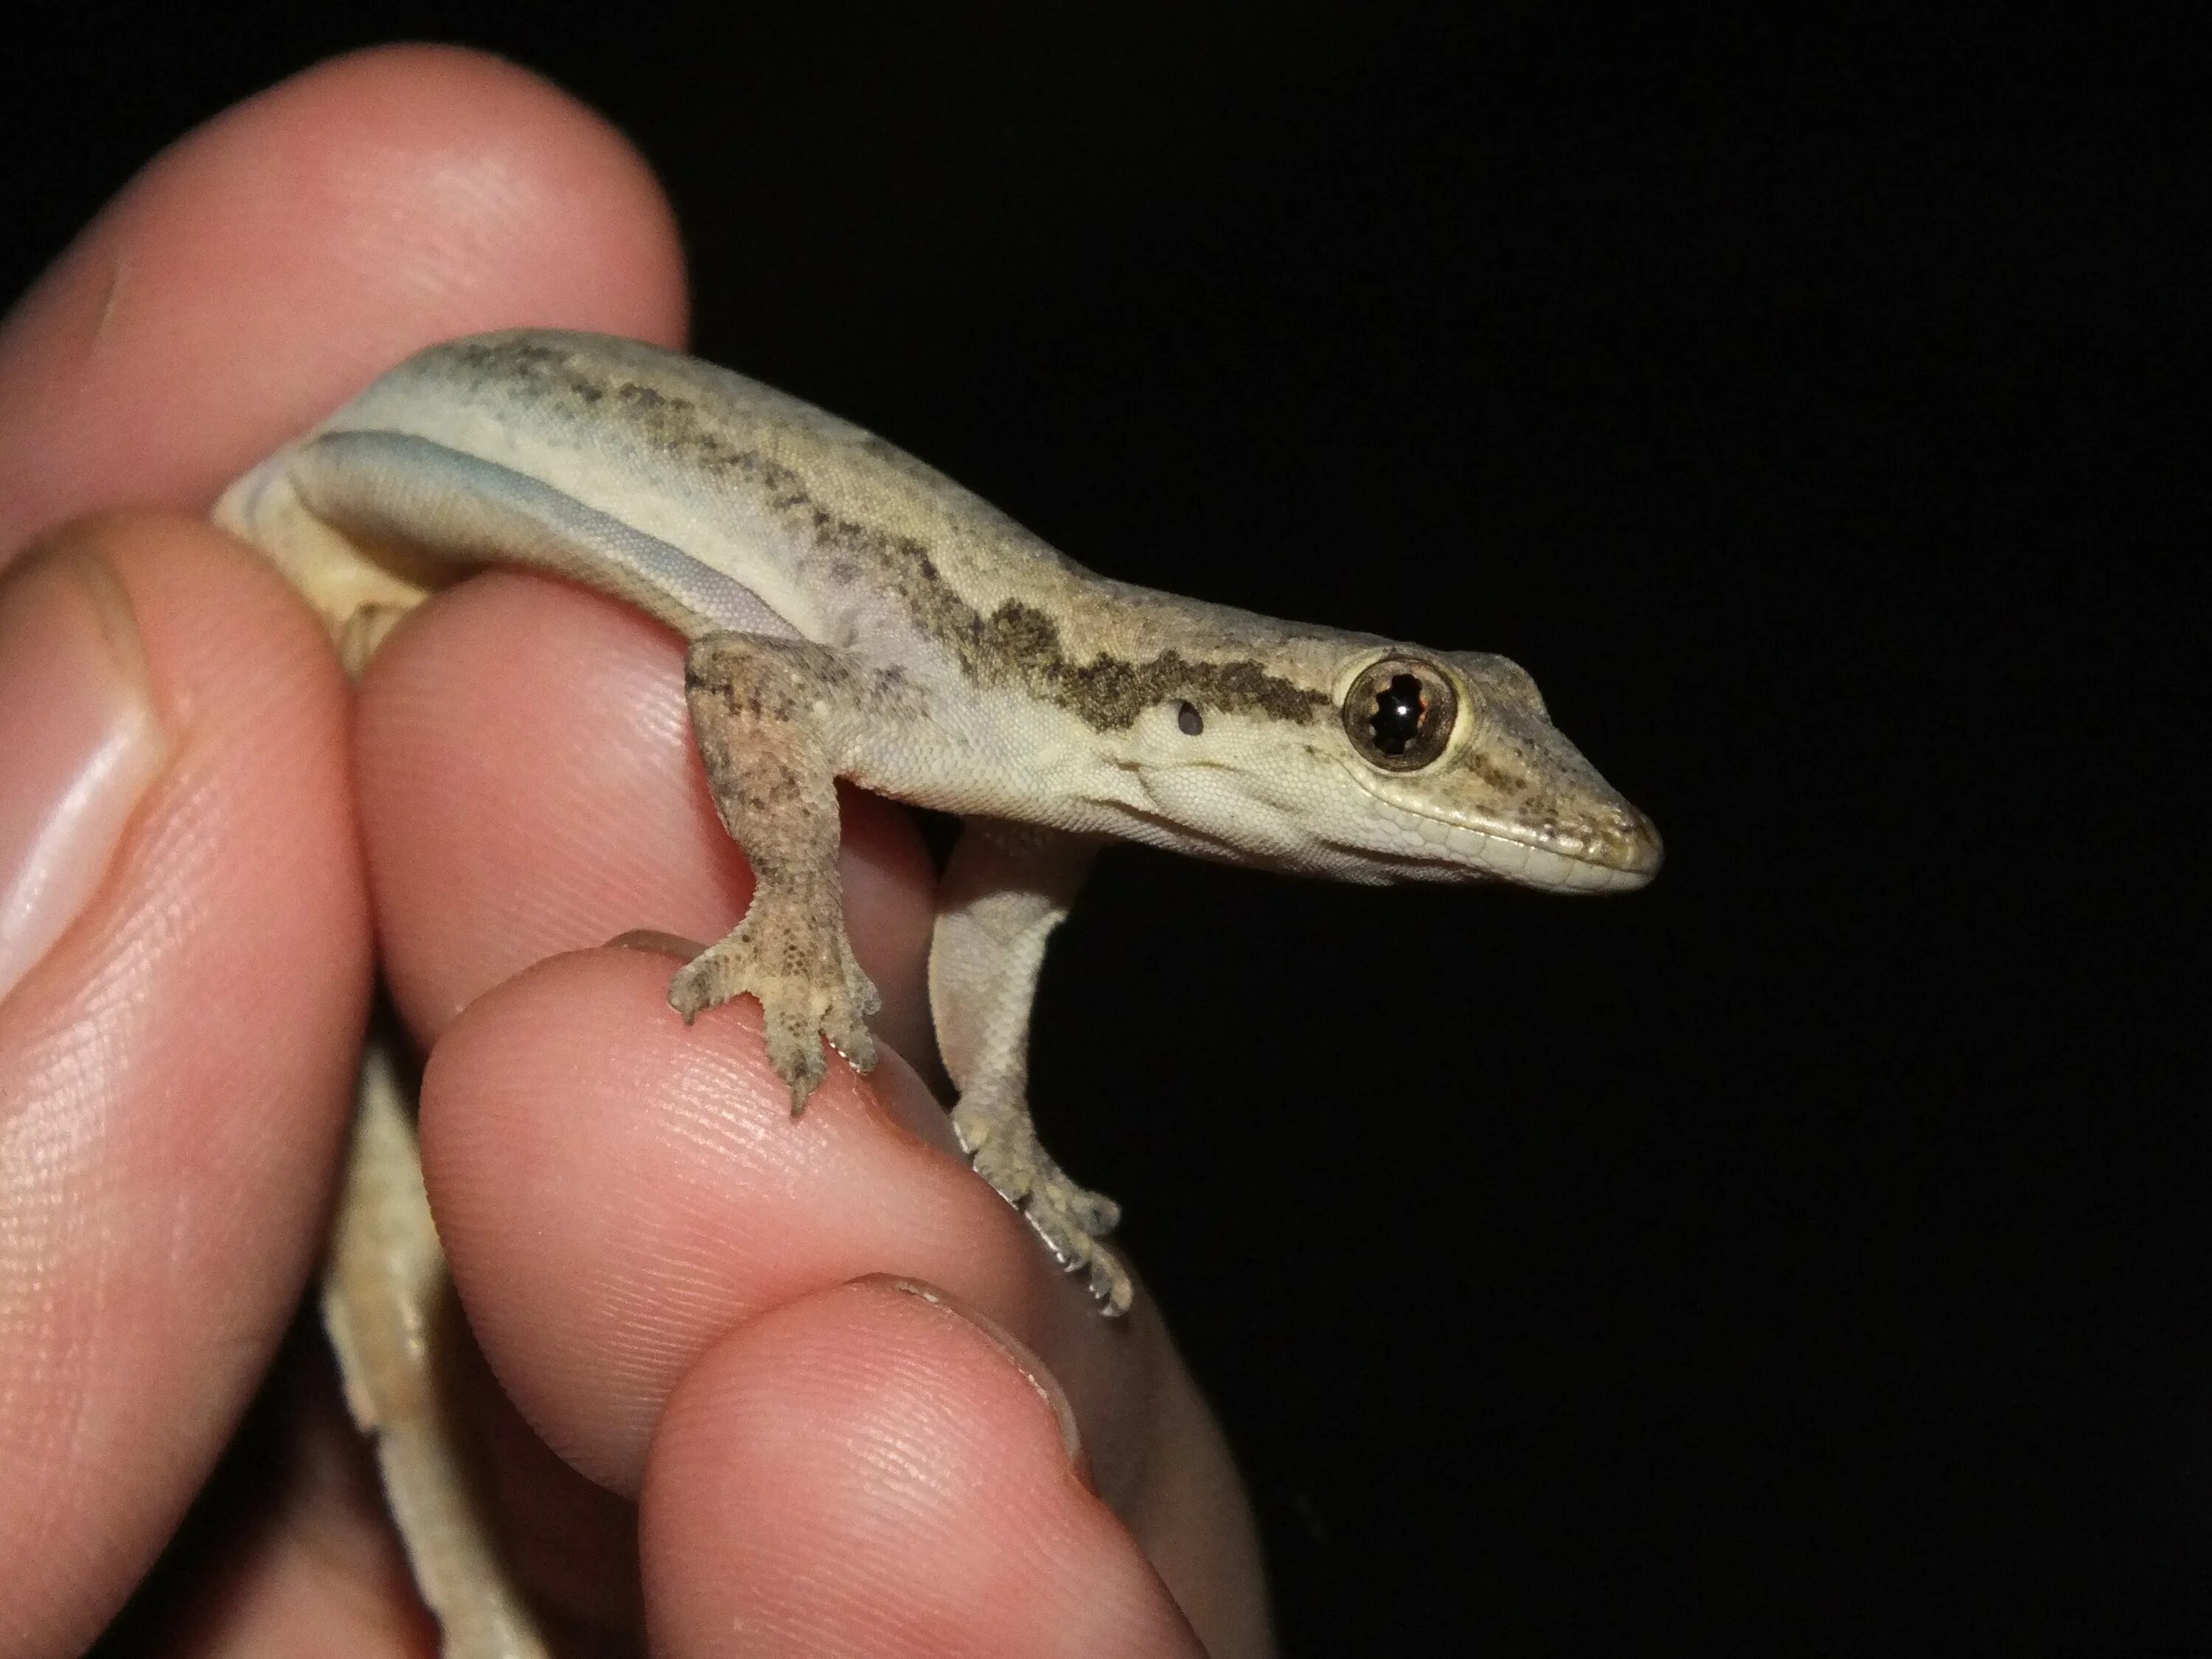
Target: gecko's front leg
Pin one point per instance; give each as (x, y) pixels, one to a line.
(778, 721)
(768, 715)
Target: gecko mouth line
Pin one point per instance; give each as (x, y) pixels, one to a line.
(1592, 863)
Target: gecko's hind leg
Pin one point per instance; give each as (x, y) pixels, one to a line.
(1006, 888)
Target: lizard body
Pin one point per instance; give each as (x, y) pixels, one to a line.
(852, 613)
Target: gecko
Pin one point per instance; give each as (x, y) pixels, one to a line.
(851, 613)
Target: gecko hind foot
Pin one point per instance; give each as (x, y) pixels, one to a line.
(808, 984)
(1072, 1219)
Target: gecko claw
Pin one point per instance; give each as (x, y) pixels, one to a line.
(807, 983)
(1001, 1144)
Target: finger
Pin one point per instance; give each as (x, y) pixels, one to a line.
(245, 282)
(272, 261)
(868, 1470)
(704, 1181)
(175, 1052)
(530, 786)
(617, 1192)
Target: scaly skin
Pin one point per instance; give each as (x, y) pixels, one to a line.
(855, 615)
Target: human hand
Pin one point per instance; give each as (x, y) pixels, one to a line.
(677, 1283)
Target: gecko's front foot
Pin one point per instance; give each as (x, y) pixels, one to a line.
(1002, 1144)
(801, 968)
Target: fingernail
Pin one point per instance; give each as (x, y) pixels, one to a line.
(79, 742)
(655, 942)
(1033, 1370)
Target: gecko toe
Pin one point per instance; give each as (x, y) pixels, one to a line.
(1002, 1144)
(1081, 1252)
(808, 986)
(1110, 1282)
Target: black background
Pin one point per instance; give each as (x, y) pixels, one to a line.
(1800, 1254)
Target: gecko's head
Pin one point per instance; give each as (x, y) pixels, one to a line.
(1465, 777)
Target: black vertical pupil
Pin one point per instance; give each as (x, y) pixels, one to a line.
(1398, 710)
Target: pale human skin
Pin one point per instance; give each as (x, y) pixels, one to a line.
(700, 1332)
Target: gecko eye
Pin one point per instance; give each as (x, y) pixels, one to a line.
(1398, 713)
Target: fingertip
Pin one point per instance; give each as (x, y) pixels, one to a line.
(868, 1469)
(615, 1191)
(276, 258)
